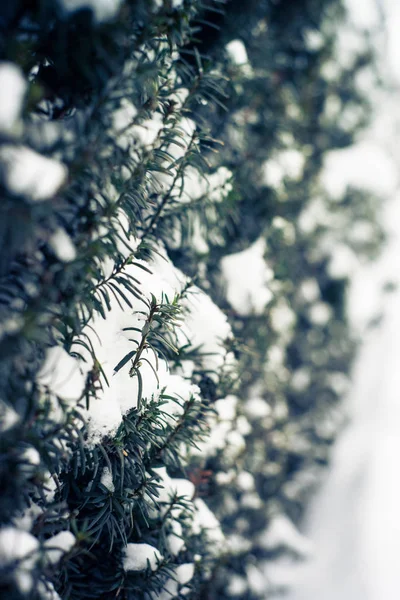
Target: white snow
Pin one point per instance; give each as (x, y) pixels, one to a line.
(301, 379)
(320, 313)
(245, 481)
(47, 591)
(29, 174)
(103, 10)
(226, 407)
(204, 520)
(282, 317)
(343, 262)
(31, 456)
(257, 408)
(246, 275)
(62, 245)
(61, 373)
(237, 585)
(236, 51)
(106, 479)
(366, 16)
(285, 164)
(208, 328)
(175, 541)
(139, 556)
(8, 416)
(21, 546)
(58, 545)
(364, 165)
(12, 92)
(183, 574)
(183, 391)
(167, 490)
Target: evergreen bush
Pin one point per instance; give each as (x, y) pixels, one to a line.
(173, 342)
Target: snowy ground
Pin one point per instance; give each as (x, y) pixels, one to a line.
(354, 522)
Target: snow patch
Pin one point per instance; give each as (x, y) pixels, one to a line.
(27, 173)
(103, 10)
(12, 92)
(58, 545)
(236, 51)
(17, 545)
(62, 245)
(246, 276)
(139, 557)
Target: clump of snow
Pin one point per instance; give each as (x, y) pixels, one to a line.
(103, 10)
(49, 486)
(122, 122)
(225, 477)
(245, 481)
(118, 336)
(139, 557)
(257, 408)
(224, 433)
(182, 391)
(58, 545)
(286, 164)
(183, 574)
(309, 290)
(238, 544)
(243, 426)
(301, 379)
(24, 520)
(236, 51)
(237, 586)
(160, 3)
(208, 328)
(282, 317)
(314, 39)
(320, 313)
(358, 166)
(205, 520)
(62, 245)
(368, 16)
(17, 545)
(129, 134)
(47, 591)
(27, 173)
(62, 375)
(247, 275)
(8, 416)
(106, 479)
(29, 459)
(343, 262)
(168, 489)
(12, 92)
(251, 500)
(226, 407)
(212, 188)
(175, 541)
(314, 214)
